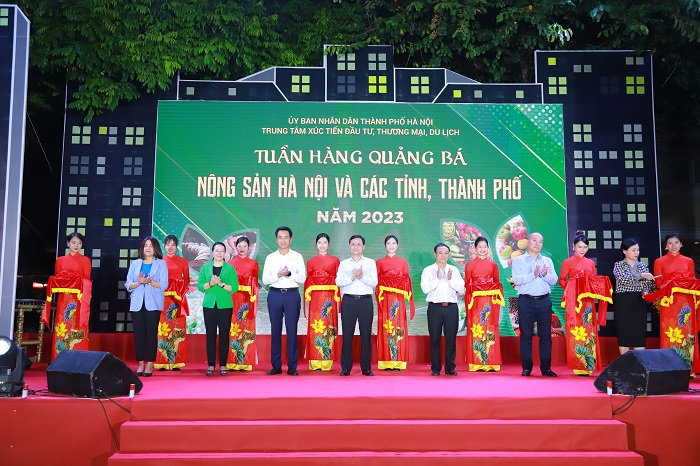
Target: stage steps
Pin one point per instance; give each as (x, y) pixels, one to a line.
(377, 441)
(371, 458)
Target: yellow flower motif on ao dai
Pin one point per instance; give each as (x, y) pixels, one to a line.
(319, 326)
(477, 331)
(675, 334)
(61, 330)
(389, 326)
(163, 329)
(579, 333)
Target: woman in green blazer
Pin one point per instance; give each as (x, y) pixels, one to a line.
(218, 281)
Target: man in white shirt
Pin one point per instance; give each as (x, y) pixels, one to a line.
(284, 269)
(356, 278)
(441, 283)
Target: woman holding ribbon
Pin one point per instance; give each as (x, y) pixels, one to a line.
(483, 300)
(243, 353)
(321, 294)
(678, 299)
(71, 282)
(172, 328)
(393, 290)
(581, 288)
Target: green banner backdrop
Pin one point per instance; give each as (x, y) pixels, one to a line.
(426, 173)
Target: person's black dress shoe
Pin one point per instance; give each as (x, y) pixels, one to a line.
(548, 373)
(435, 373)
(344, 373)
(292, 372)
(368, 373)
(453, 372)
(274, 371)
(526, 372)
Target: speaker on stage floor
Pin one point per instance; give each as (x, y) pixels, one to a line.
(90, 374)
(646, 372)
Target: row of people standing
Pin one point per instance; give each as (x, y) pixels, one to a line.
(676, 298)
(674, 290)
(674, 275)
(159, 337)
(357, 279)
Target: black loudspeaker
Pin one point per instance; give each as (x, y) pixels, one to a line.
(646, 372)
(91, 374)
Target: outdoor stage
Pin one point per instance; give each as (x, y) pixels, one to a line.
(402, 418)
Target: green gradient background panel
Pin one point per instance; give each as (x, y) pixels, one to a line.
(497, 142)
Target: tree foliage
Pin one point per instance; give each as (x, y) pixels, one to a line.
(121, 48)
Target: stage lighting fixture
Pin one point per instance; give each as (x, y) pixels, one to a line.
(11, 368)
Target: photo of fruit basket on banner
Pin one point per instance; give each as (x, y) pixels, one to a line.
(459, 236)
(511, 240)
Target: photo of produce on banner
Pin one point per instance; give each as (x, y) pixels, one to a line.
(511, 240)
(460, 237)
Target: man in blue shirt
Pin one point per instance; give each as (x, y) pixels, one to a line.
(533, 274)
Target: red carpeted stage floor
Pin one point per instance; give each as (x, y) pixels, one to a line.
(406, 417)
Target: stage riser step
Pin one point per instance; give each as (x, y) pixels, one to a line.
(384, 458)
(361, 408)
(399, 435)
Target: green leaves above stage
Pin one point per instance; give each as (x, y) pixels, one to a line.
(118, 48)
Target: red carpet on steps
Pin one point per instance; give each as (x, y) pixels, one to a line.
(403, 418)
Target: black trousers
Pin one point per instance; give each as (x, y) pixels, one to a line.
(443, 318)
(145, 334)
(530, 311)
(215, 318)
(357, 310)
